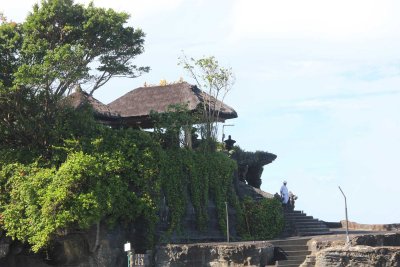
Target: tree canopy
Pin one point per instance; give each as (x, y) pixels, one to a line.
(62, 44)
(59, 46)
(216, 81)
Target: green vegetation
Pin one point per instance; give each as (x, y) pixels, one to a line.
(114, 177)
(59, 46)
(263, 219)
(196, 176)
(216, 81)
(62, 171)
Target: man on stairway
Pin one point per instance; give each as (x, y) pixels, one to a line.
(284, 195)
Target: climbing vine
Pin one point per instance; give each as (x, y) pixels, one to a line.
(113, 176)
(194, 176)
(263, 219)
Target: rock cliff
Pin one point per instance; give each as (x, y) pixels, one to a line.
(363, 250)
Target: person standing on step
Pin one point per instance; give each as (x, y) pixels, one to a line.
(284, 195)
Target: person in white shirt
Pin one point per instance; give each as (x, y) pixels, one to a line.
(284, 194)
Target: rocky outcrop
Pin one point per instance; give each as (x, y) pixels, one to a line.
(363, 250)
(250, 165)
(74, 250)
(363, 256)
(221, 255)
(371, 227)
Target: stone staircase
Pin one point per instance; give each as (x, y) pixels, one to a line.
(296, 251)
(298, 223)
(298, 229)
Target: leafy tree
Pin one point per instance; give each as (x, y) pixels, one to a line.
(66, 44)
(114, 177)
(168, 126)
(216, 81)
(60, 45)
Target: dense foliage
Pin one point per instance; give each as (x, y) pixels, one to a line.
(197, 177)
(114, 177)
(264, 219)
(59, 46)
(60, 170)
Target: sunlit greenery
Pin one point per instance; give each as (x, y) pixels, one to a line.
(60, 170)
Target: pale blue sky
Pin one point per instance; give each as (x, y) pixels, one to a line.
(317, 83)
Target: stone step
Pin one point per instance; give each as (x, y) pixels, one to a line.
(290, 263)
(311, 229)
(299, 258)
(311, 224)
(313, 221)
(298, 218)
(296, 250)
(303, 253)
(298, 223)
(292, 248)
(308, 227)
(314, 233)
(294, 214)
(286, 242)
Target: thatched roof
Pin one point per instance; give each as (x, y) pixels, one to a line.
(136, 105)
(101, 111)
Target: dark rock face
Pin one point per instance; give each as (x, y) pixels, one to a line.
(228, 254)
(78, 249)
(251, 165)
(190, 232)
(377, 240)
(74, 249)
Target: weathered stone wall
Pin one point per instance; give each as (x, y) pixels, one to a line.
(221, 255)
(363, 250)
(75, 249)
(362, 256)
(371, 227)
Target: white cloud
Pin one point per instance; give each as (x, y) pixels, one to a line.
(334, 20)
(17, 10)
(139, 9)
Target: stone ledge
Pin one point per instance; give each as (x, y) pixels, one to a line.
(372, 227)
(358, 256)
(364, 250)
